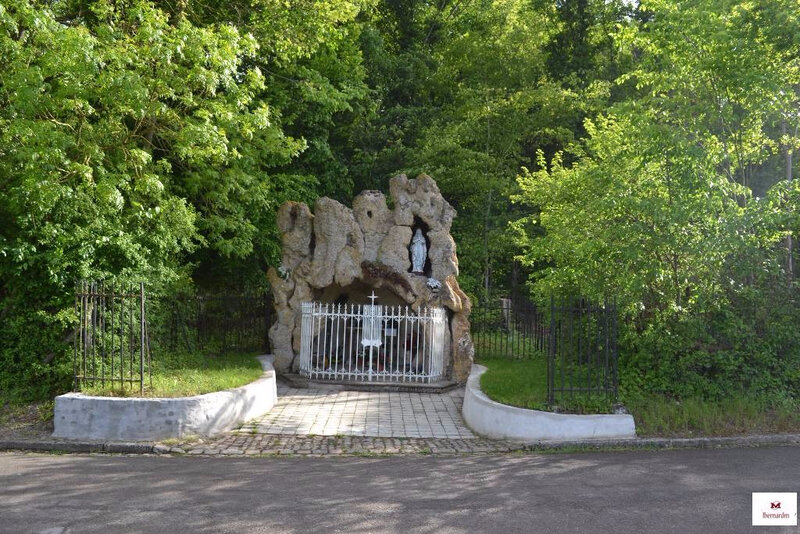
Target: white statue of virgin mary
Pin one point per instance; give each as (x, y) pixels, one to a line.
(419, 252)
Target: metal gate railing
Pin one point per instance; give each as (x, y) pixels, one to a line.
(573, 342)
(371, 343)
(507, 328)
(583, 353)
(112, 345)
(213, 323)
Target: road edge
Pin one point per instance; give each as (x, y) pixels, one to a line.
(118, 447)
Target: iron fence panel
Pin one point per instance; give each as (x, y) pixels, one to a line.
(112, 344)
(372, 343)
(577, 338)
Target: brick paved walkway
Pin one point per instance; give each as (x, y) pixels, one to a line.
(326, 412)
(326, 421)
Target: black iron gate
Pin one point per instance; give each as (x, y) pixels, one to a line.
(582, 355)
(112, 345)
(574, 336)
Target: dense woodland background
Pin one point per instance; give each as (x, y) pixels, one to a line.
(596, 147)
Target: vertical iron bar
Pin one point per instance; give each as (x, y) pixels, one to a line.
(267, 312)
(325, 355)
(335, 340)
(350, 343)
(149, 354)
(111, 352)
(594, 364)
(551, 355)
(122, 338)
(75, 342)
(616, 348)
(494, 343)
(428, 322)
(93, 297)
(85, 330)
(563, 333)
(606, 347)
(141, 338)
(391, 341)
(576, 381)
(198, 326)
(589, 347)
(398, 338)
(406, 345)
(103, 333)
(131, 348)
(384, 312)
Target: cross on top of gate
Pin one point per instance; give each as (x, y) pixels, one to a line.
(373, 297)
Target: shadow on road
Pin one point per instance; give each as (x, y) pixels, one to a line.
(640, 491)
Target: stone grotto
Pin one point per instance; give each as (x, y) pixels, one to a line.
(396, 251)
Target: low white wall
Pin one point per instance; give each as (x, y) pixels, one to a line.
(496, 420)
(79, 416)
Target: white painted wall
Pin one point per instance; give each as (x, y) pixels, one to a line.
(495, 420)
(79, 416)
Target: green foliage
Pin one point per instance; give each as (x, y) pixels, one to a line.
(640, 149)
(137, 144)
(693, 416)
(186, 374)
(659, 209)
(503, 109)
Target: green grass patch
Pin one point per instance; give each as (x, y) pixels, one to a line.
(521, 383)
(186, 374)
(693, 417)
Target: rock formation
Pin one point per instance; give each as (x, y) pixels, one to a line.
(369, 245)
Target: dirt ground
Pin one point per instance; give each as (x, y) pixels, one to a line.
(27, 421)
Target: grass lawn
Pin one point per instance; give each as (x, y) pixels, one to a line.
(523, 383)
(658, 416)
(181, 375)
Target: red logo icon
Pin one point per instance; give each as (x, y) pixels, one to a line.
(775, 505)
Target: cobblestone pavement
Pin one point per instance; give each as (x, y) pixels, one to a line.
(238, 444)
(326, 412)
(325, 421)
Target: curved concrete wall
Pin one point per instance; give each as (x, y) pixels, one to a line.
(80, 416)
(496, 420)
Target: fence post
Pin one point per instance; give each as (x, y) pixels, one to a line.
(551, 353)
(614, 335)
(75, 341)
(141, 338)
(267, 310)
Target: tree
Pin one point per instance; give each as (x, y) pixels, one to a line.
(659, 209)
(497, 105)
(109, 119)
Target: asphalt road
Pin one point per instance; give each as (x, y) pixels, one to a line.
(622, 492)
